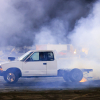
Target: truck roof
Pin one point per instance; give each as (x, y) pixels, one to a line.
(41, 50)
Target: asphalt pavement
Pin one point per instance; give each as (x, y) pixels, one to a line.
(45, 83)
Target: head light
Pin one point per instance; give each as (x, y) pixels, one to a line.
(1, 68)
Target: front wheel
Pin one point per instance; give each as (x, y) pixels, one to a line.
(11, 77)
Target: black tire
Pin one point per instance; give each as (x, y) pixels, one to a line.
(76, 75)
(66, 76)
(11, 77)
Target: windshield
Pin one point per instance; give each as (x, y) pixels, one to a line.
(23, 57)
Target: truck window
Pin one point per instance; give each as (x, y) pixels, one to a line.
(50, 56)
(35, 56)
(38, 56)
(23, 57)
(42, 56)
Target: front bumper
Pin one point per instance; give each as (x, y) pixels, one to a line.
(2, 73)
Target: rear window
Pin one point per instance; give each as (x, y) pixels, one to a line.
(50, 56)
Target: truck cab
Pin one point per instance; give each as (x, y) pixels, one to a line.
(39, 63)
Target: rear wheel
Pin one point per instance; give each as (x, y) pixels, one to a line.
(11, 77)
(76, 75)
(66, 76)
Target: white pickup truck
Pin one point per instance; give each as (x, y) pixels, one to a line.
(41, 63)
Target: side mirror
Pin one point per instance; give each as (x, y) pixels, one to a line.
(11, 58)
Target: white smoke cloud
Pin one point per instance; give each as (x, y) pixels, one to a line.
(11, 21)
(87, 34)
(22, 20)
(52, 34)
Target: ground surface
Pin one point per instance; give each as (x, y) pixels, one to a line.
(49, 88)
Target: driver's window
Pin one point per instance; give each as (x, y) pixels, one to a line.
(35, 56)
(38, 56)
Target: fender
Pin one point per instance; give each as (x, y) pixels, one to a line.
(15, 69)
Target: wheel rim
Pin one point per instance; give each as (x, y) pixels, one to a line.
(11, 77)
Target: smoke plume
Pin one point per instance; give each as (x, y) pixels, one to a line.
(86, 34)
(29, 22)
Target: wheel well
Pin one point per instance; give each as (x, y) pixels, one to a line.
(14, 69)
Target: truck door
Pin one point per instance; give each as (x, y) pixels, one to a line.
(51, 64)
(35, 65)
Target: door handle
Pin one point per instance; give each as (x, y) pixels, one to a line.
(44, 63)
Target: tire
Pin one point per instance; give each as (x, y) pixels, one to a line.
(11, 77)
(76, 75)
(66, 76)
